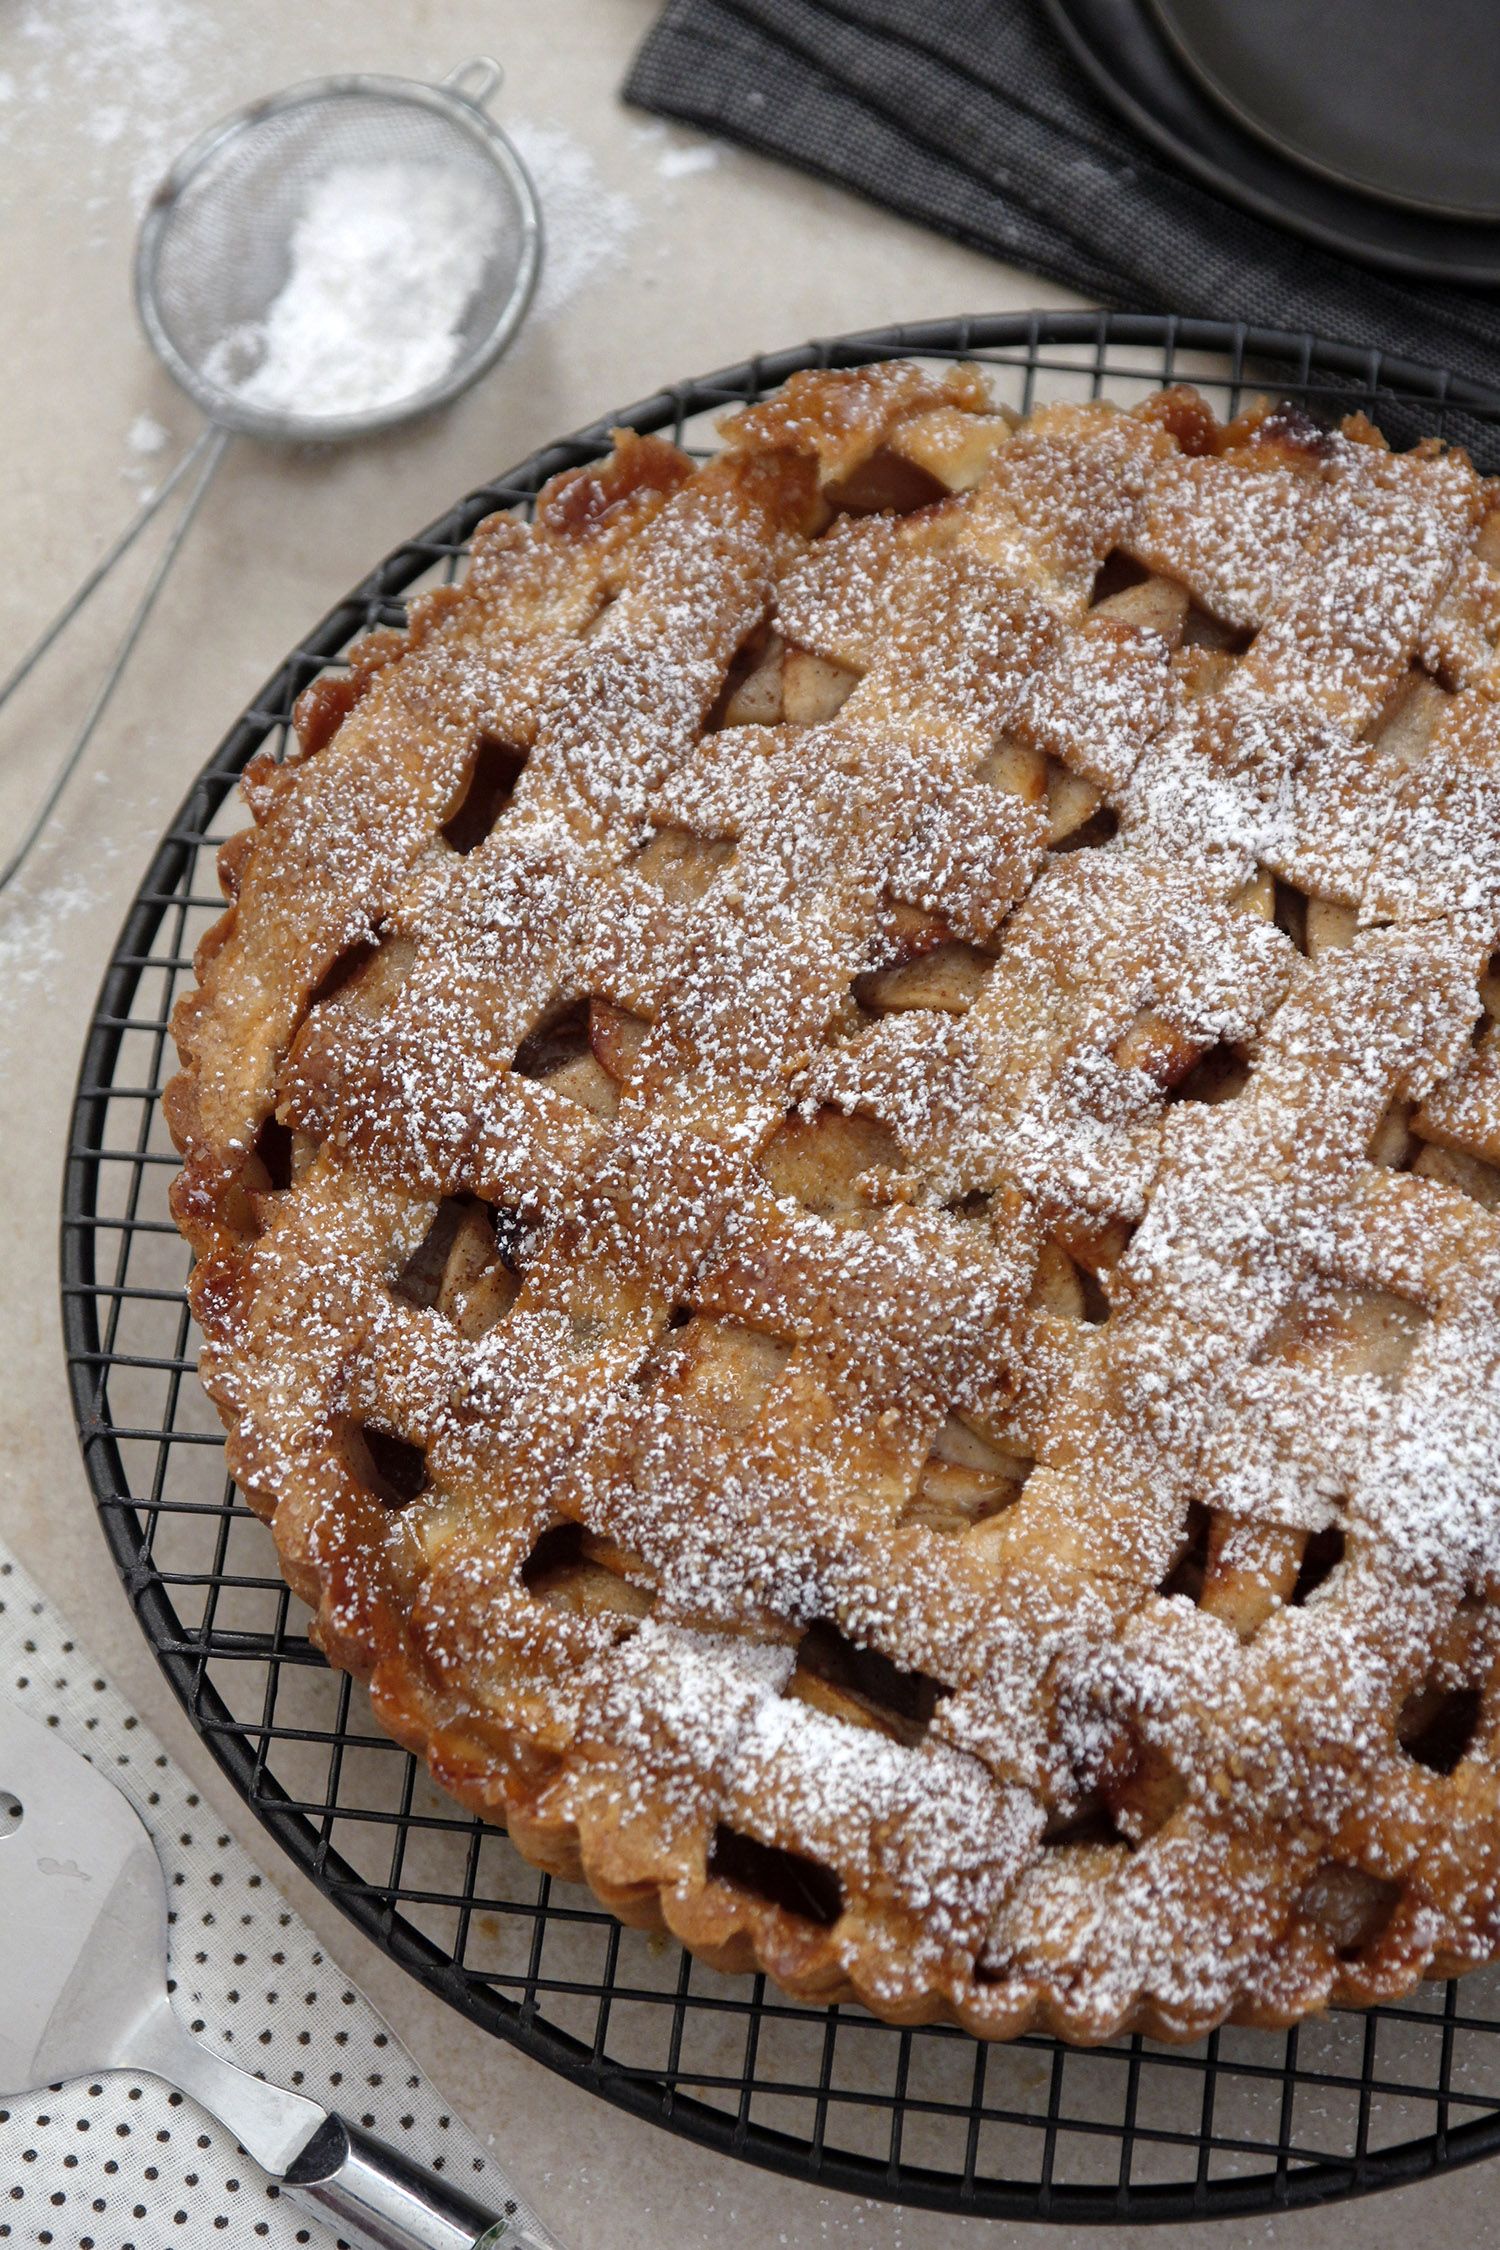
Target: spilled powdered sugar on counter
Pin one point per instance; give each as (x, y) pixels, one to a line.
(685, 163)
(146, 435)
(386, 261)
(32, 947)
(140, 64)
(585, 224)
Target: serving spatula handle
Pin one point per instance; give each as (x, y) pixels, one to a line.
(377, 2200)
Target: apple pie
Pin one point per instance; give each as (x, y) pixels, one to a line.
(843, 1145)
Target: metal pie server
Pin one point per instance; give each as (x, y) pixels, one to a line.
(83, 1946)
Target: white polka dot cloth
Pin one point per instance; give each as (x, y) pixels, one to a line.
(115, 2163)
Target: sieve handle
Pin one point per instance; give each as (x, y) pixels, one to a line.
(144, 514)
(205, 454)
(478, 80)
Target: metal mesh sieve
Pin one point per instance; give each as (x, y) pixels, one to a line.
(215, 248)
(213, 253)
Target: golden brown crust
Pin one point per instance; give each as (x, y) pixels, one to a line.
(843, 1147)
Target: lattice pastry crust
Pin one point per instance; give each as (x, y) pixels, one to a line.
(843, 1141)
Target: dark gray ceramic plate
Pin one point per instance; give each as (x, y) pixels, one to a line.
(1398, 101)
(1134, 66)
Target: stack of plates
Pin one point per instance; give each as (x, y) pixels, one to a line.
(1371, 130)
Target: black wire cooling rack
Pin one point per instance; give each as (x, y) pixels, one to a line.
(1242, 2122)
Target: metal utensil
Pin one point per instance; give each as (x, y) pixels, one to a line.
(213, 252)
(83, 1912)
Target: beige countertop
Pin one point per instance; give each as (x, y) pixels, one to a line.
(668, 257)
